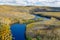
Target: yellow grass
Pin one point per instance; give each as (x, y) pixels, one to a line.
(55, 14)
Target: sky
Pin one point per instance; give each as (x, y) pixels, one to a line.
(52, 3)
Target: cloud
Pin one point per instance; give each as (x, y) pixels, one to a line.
(57, 4)
(54, 3)
(5, 1)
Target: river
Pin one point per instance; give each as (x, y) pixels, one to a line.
(18, 30)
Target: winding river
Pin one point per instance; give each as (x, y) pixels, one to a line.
(18, 30)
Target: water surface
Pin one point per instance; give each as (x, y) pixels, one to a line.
(18, 31)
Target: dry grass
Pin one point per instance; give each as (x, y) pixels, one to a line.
(55, 14)
(41, 29)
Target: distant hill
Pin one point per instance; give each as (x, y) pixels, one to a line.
(27, 8)
(49, 11)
